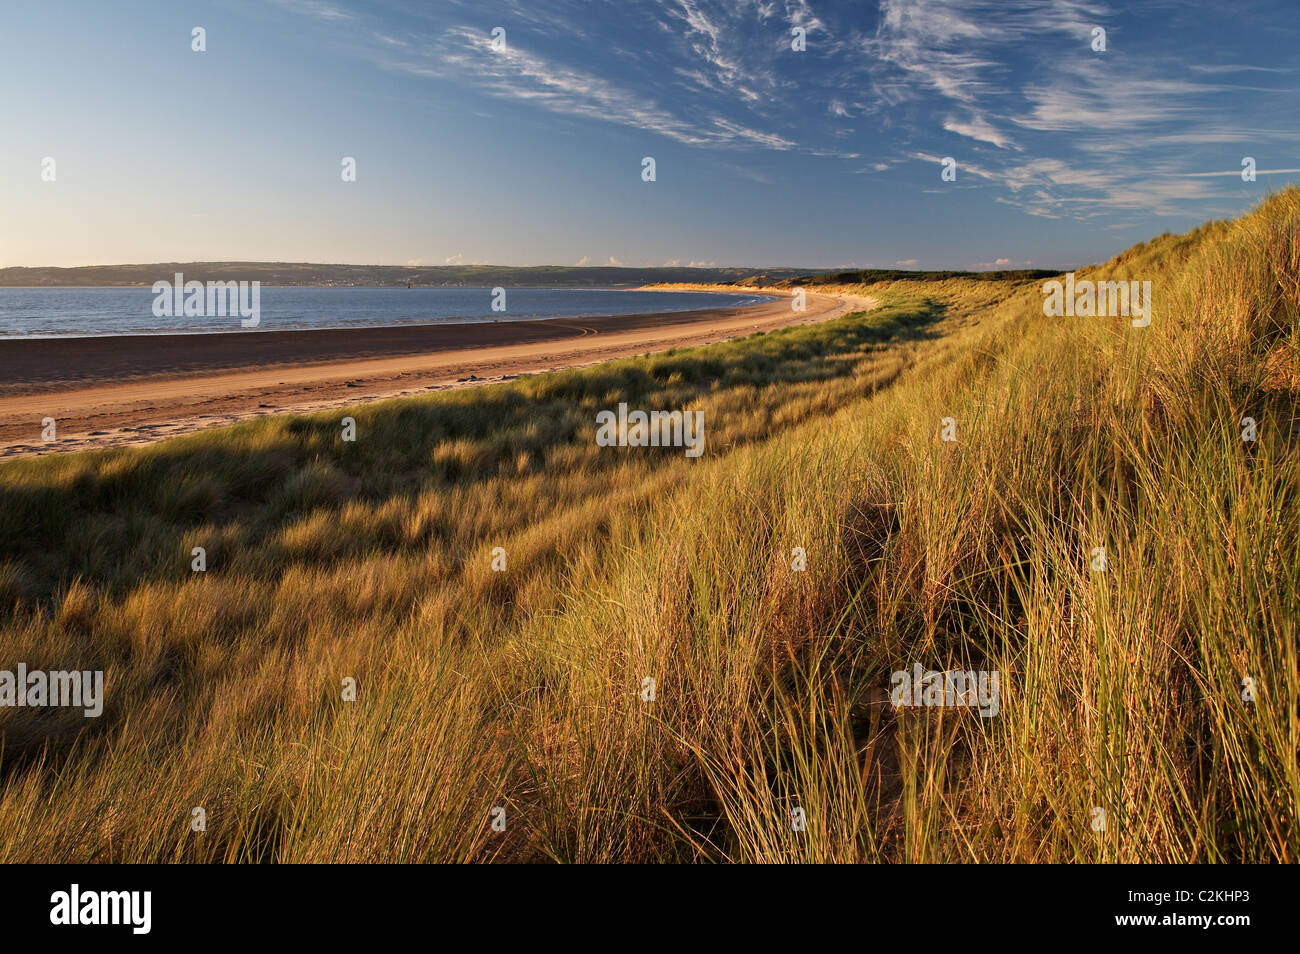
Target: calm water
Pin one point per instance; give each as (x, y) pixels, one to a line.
(80, 312)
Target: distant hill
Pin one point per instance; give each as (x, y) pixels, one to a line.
(290, 273)
(872, 275)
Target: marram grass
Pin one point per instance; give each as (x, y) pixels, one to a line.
(521, 695)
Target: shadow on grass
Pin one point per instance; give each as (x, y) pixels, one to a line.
(113, 518)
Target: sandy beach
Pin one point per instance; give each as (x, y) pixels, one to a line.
(110, 391)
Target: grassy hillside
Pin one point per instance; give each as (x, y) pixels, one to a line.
(1120, 689)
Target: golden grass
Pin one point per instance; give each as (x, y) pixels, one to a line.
(523, 689)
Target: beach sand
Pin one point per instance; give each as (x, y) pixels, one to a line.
(112, 391)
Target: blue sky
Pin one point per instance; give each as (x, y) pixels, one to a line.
(532, 154)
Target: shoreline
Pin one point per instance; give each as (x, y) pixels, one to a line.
(111, 391)
(451, 320)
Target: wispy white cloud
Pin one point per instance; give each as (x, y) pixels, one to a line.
(315, 8)
(1237, 173)
(977, 127)
(466, 55)
(946, 46)
(1237, 68)
(707, 40)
